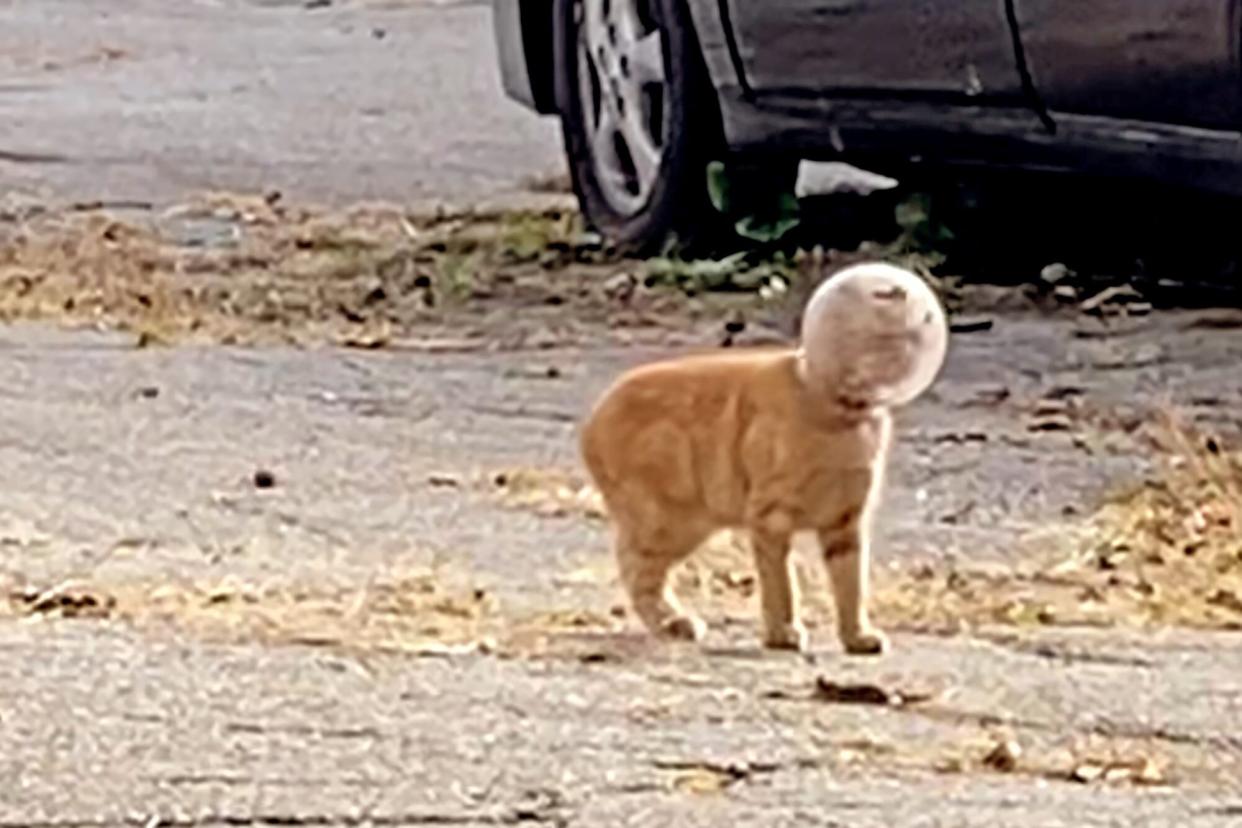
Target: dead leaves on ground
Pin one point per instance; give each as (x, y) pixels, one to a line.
(700, 776)
(548, 492)
(1166, 552)
(411, 614)
(241, 269)
(1169, 552)
(1140, 771)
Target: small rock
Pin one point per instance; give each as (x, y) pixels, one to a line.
(365, 340)
(1111, 561)
(702, 782)
(831, 691)
(621, 287)
(1003, 756)
(774, 288)
(1050, 423)
(449, 481)
(1117, 773)
(1055, 273)
(1087, 773)
(1147, 772)
(1065, 293)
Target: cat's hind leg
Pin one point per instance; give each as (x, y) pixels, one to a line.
(644, 561)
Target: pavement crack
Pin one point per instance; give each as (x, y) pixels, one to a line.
(1112, 730)
(303, 730)
(16, 157)
(514, 816)
(1065, 653)
(1230, 810)
(523, 413)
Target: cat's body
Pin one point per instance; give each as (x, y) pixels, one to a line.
(682, 449)
(774, 442)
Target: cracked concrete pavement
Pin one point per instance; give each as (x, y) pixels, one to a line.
(131, 466)
(104, 723)
(395, 101)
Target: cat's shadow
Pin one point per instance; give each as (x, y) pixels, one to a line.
(636, 646)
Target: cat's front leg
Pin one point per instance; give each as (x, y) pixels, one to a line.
(778, 591)
(846, 553)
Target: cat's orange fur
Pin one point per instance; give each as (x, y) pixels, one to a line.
(767, 441)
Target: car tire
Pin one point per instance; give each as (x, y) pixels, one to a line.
(639, 119)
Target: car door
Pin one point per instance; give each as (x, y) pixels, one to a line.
(949, 49)
(1173, 61)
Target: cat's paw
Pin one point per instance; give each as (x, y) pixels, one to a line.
(786, 637)
(865, 642)
(683, 628)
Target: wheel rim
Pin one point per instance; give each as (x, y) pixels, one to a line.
(622, 88)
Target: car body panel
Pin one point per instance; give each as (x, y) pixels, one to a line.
(955, 49)
(523, 47)
(1085, 107)
(714, 30)
(1172, 61)
(903, 138)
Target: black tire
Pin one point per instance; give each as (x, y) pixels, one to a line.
(677, 208)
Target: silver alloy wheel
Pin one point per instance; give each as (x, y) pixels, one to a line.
(621, 77)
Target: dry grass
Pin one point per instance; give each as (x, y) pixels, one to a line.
(238, 269)
(412, 613)
(548, 492)
(1168, 552)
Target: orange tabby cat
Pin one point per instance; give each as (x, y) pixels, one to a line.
(771, 441)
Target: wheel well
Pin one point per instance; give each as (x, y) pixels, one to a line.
(537, 46)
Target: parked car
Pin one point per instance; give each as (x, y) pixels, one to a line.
(649, 91)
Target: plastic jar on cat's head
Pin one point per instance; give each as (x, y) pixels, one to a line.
(873, 334)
